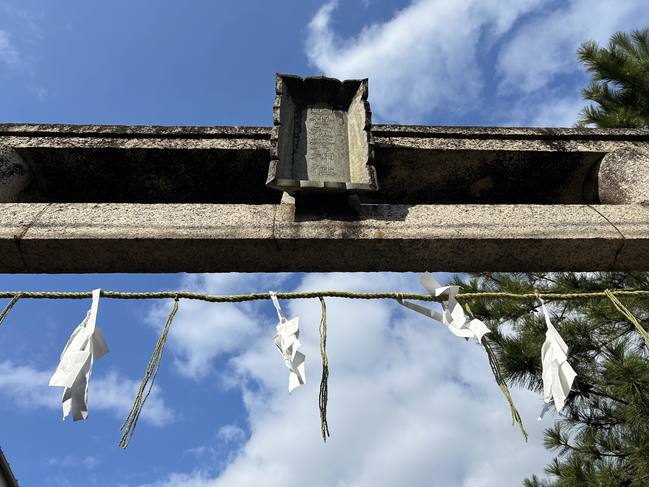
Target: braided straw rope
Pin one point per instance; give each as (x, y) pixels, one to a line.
(239, 298)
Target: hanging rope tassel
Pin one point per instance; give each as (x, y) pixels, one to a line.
(625, 311)
(495, 369)
(7, 308)
(497, 373)
(324, 388)
(128, 427)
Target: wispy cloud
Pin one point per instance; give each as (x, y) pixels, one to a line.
(8, 53)
(115, 393)
(40, 93)
(200, 335)
(26, 388)
(20, 38)
(434, 56)
(535, 110)
(26, 21)
(544, 47)
(88, 462)
(424, 58)
(231, 433)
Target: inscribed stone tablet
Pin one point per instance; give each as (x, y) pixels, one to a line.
(322, 146)
(321, 139)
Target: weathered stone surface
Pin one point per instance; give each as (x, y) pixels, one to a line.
(623, 177)
(136, 237)
(167, 199)
(416, 165)
(224, 238)
(15, 220)
(15, 175)
(321, 139)
(632, 223)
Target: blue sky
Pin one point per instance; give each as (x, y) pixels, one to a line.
(409, 403)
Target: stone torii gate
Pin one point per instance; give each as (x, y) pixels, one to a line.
(353, 196)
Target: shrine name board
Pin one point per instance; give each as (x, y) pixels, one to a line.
(321, 138)
(322, 147)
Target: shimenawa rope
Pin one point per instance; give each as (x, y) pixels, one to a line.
(154, 363)
(238, 298)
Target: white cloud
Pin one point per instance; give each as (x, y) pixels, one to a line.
(203, 331)
(408, 403)
(71, 461)
(560, 112)
(8, 53)
(231, 433)
(424, 58)
(546, 46)
(115, 393)
(433, 57)
(535, 110)
(26, 388)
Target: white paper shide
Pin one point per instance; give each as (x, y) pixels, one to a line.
(453, 314)
(558, 374)
(287, 342)
(85, 345)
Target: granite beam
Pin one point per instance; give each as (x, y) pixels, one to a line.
(131, 237)
(414, 164)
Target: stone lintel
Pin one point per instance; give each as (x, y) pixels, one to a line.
(415, 164)
(78, 237)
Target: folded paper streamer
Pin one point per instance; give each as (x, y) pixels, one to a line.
(454, 318)
(287, 342)
(453, 314)
(558, 375)
(85, 345)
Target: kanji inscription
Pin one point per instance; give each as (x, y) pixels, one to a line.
(326, 153)
(321, 139)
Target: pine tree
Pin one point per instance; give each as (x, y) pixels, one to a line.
(620, 81)
(601, 436)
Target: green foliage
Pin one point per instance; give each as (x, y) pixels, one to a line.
(620, 81)
(602, 435)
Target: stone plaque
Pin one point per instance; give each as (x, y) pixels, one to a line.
(322, 153)
(321, 138)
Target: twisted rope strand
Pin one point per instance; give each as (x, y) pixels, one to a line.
(495, 369)
(625, 311)
(238, 298)
(500, 380)
(324, 387)
(7, 308)
(128, 427)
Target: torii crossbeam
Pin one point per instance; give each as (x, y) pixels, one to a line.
(77, 199)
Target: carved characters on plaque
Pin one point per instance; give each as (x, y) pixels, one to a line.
(326, 145)
(321, 138)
